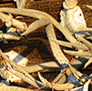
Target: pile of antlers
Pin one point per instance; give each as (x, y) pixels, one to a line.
(75, 40)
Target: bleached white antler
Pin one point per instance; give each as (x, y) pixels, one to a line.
(20, 3)
(72, 16)
(54, 85)
(69, 4)
(89, 6)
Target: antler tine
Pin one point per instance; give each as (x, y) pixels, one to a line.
(35, 25)
(70, 45)
(75, 71)
(10, 37)
(86, 85)
(89, 6)
(87, 43)
(20, 3)
(88, 62)
(87, 55)
(55, 47)
(41, 15)
(54, 85)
